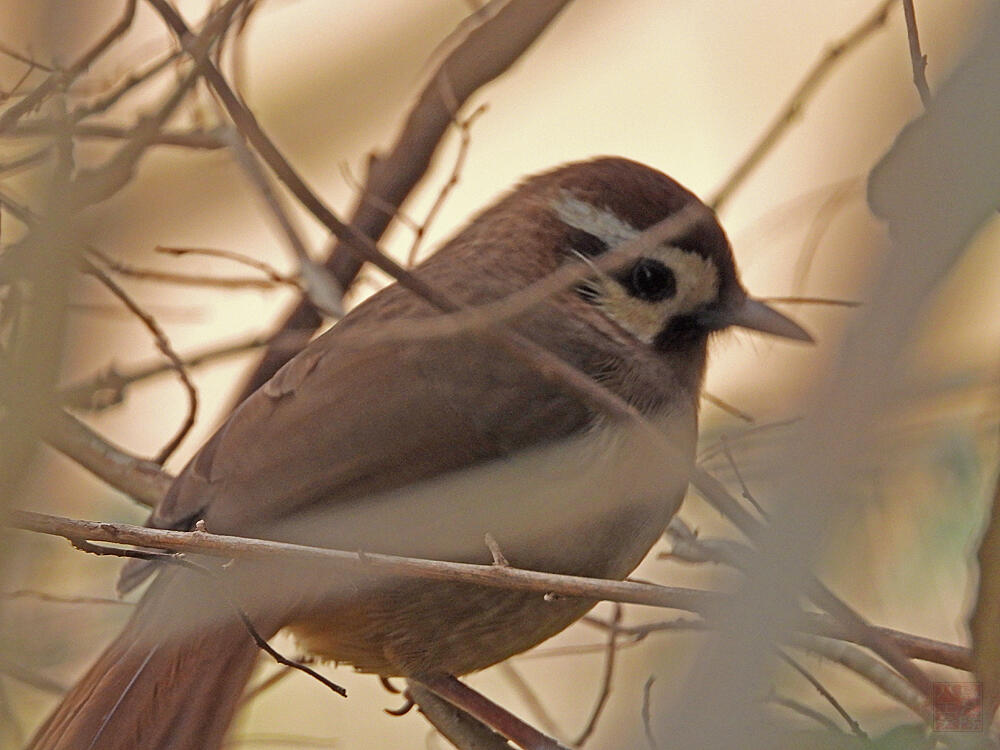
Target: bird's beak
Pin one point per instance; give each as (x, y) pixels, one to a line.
(758, 316)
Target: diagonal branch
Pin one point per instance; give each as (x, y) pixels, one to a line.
(486, 53)
(793, 108)
(61, 78)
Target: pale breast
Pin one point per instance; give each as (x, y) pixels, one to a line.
(592, 506)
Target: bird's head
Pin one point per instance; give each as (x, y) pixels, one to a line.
(670, 295)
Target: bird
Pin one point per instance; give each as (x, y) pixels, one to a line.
(423, 444)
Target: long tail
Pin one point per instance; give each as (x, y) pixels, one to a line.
(162, 684)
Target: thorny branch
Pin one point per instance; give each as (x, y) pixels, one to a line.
(704, 603)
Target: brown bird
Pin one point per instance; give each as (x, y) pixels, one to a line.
(421, 445)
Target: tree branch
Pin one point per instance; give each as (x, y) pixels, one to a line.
(486, 53)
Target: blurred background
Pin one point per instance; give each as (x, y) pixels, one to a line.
(685, 87)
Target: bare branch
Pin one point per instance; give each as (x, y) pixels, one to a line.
(187, 279)
(268, 270)
(870, 668)
(31, 63)
(465, 139)
(142, 480)
(801, 708)
(108, 388)
(164, 345)
(717, 496)
(195, 139)
(108, 100)
(627, 592)
(487, 52)
(918, 60)
(320, 286)
(609, 670)
(647, 725)
(727, 407)
(458, 727)
(799, 99)
(482, 708)
(220, 584)
(61, 78)
(827, 695)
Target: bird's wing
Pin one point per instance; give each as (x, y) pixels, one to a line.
(345, 420)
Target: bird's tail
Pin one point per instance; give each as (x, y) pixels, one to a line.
(161, 683)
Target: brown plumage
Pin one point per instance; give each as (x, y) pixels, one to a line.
(420, 448)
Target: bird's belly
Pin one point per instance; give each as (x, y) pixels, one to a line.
(592, 506)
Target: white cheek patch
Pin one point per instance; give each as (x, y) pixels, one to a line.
(697, 277)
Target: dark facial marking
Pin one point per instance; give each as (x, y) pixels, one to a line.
(650, 280)
(585, 243)
(681, 332)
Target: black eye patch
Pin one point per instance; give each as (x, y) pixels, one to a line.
(650, 280)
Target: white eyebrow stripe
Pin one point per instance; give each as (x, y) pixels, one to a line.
(588, 218)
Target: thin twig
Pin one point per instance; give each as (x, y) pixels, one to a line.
(94, 185)
(108, 388)
(868, 667)
(186, 279)
(820, 224)
(727, 407)
(44, 596)
(320, 286)
(744, 490)
(810, 713)
(465, 139)
(31, 63)
(486, 52)
(264, 685)
(195, 139)
(822, 301)
(918, 60)
(61, 78)
(714, 449)
(821, 689)
(489, 713)
(108, 100)
(267, 269)
(244, 617)
(861, 632)
(799, 99)
(164, 345)
(609, 670)
(647, 724)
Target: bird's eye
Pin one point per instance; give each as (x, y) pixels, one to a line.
(651, 280)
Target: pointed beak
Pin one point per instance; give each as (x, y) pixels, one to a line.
(758, 316)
